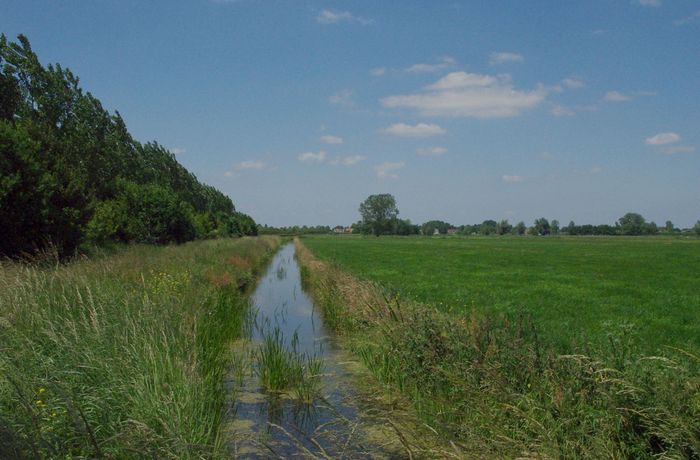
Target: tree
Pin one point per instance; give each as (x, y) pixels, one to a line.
(542, 227)
(631, 224)
(520, 228)
(554, 227)
(669, 228)
(488, 227)
(379, 212)
(696, 228)
(503, 227)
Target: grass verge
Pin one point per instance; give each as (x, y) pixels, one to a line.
(487, 384)
(122, 356)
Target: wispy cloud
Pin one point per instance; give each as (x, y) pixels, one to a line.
(348, 160)
(663, 139)
(330, 139)
(335, 17)
(647, 2)
(377, 71)
(312, 157)
(255, 165)
(678, 149)
(461, 94)
(692, 19)
(561, 111)
(431, 151)
(418, 130)
(177, 151)
(616, 96)
(344, 98)
(573, 83)
(512, 179)
(387, 170)
(443, 63)
(505, 57)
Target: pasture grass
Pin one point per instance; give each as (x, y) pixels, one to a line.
(491, 387)
(577, 289)
(122, 355)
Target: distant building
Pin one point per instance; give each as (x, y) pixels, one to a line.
(452, 231)
(339, 229)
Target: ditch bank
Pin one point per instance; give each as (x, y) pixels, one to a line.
(296, 392)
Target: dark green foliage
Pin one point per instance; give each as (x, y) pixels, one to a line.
(429, 227)
(380, 213)
(70, 170)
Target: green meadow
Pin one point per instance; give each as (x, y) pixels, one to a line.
(577, 289)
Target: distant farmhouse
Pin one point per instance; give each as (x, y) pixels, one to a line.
(340, 229)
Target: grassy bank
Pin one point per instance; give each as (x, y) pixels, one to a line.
(122, 356)
(488, 383)
(577, 289)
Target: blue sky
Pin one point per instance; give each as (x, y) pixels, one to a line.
(464, 111)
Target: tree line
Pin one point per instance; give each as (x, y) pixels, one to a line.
(70, 172)
(379, 216)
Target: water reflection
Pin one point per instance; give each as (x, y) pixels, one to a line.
(276, 424)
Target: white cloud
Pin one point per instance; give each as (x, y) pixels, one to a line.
(330, 139)
(573, 83)
(678, 149)
(335, 17)
(561, 111)
(256, 165)
(503, 57)
(648, 2)
(443, 63)
(512, 179)
(177, 151)
(431, 151)
(312, 157)
(388, 169)
(663, 139)
(418, 130)
(343, 98)
(377, 72)
(461, 94)
(349, 160)
(616, 96)
(695, 17)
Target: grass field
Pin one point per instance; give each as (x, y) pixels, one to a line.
(122, 355)
(508, 385)
(575, 288)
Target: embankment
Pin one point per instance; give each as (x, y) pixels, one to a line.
(123, 356)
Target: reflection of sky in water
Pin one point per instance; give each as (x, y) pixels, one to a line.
(279, 301)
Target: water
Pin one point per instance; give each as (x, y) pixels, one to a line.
(343, 421)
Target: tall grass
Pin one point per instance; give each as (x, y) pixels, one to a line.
(488, 384)
(122, 356)
(284, 369)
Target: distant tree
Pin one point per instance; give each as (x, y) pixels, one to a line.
(571, 228)
(631, 224)
(429, 227)
(542, 227)
(405, 227)
(379, 212)
(488, 227)
(520, 228)
(696, 228)
(554, 226)
(669, 228)
(503, 227)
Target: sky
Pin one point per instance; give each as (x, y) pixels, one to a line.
(463, 110)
